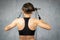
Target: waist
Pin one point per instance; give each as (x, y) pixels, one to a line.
(26, 37)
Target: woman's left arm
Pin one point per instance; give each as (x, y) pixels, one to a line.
(43, 24)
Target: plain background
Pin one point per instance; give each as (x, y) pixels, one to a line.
(50, 13)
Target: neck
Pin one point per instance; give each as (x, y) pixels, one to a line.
(27, 15)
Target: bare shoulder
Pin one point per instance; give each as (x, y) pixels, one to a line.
(33, 19)
(18, 19)
(37, 19)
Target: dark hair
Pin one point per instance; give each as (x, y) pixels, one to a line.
(28, 7)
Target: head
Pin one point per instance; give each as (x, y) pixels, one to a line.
(28, 8)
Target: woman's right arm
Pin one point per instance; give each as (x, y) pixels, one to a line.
(10, 26)
(43, 24)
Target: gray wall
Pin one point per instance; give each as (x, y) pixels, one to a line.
(50, 12)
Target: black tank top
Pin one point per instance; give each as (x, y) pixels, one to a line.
(26, 30)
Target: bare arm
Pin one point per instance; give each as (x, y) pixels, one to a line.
(10, 26)
(43, 24)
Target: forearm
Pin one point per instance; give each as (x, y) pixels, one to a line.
(44, 25)
(10, 26)
(47, 26)
(7, 28)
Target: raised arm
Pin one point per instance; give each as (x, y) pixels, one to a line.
(43, 24)
(10, 26)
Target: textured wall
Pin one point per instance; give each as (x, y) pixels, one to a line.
(50, 12)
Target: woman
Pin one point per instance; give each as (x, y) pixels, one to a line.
(26, 25)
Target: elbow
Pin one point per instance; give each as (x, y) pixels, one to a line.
(5, 29)
(49, 28)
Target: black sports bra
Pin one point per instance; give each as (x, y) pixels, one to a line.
(26, 30)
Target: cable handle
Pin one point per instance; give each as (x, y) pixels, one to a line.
(38, 14)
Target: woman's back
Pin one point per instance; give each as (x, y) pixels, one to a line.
(32, 23)
(27, 29)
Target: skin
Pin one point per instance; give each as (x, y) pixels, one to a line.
(32, 24)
